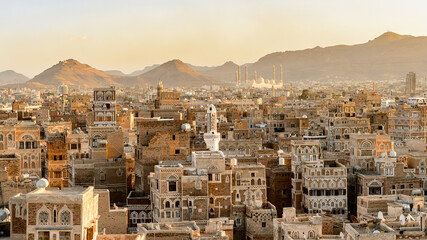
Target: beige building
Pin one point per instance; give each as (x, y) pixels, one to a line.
(22, 138)
(303, 152)
(325, 188)
(49, 213)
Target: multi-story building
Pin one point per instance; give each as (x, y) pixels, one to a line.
(303, 152)
(325, 188)
(411, 83)
(104, 106)
(49, 213)
(22, 138)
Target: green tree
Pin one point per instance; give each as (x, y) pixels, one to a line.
(304, 95)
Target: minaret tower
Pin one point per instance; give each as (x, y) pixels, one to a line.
(211, 136)
(246, 73)
(281, 74)
(237, 78)
(239, 75)
(274, 74)
(159, 88)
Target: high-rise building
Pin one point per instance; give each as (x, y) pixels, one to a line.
(411, 80)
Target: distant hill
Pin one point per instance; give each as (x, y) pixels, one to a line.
(389, 56)
(115, 73)
(146, 69)
(73, 73)
(12, 77)
(175, 73)
(225, 72)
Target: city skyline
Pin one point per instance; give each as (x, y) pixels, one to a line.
(131, 36)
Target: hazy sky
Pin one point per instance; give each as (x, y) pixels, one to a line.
(129, 35)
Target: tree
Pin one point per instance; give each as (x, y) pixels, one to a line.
(304, 95)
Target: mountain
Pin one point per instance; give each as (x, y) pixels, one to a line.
(115, 73)
(146, 69)
(73, 73)
(175, 73)
(225, 72)
(12, 77)
(389, 56)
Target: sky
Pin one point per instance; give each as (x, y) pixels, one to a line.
(130, 35)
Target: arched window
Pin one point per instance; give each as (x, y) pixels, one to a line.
(315, 205)
(366, 144)
(9, 137)
(177, 204)
(1, 137)
(295, 235)
(142, 216)
(211, 200)
(134, 217)
(332, 204)
(167, 204)
(102, 175)
(311, 234)
(25, 164)
(259, 181)
(33, 165)
(65, 218)
(172, 184)
(43, 218)
(252, 182)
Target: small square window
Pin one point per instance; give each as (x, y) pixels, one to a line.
(264, 224)
(253, 174)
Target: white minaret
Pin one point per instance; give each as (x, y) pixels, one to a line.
(211, 137)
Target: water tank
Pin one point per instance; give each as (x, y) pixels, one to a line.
(186, 127)
(280, 151)
(383, 155)
(42, 183)
(393, 153)
(281, 161)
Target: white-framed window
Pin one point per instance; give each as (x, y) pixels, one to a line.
(43, 218)
(65, 217)
(134, 217)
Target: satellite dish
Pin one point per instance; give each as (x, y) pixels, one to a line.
(376, 231)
